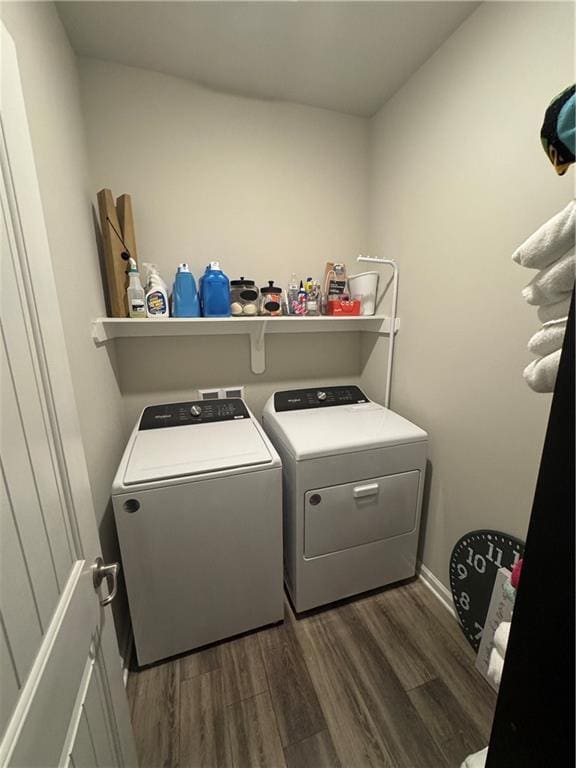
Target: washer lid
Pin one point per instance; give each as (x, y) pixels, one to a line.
(344, 429)
(159, 454)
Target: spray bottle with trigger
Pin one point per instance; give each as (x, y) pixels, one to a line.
(135, 292)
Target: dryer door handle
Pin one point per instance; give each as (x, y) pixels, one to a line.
(366, 490)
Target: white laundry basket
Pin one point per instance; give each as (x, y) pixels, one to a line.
(364, 286)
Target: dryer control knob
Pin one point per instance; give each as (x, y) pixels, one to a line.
(321, 395)
(195, 410)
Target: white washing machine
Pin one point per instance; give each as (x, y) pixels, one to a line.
(353, 484)
(198, 505)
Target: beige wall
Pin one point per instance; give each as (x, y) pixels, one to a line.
(176, 367)
(51, 92)
(458, 180)
(267, 188)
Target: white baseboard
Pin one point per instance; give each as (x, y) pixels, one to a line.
(438, 589)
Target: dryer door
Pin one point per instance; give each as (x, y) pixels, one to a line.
(344, 516)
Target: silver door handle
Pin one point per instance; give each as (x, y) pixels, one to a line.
(365, 490)
(108, 572)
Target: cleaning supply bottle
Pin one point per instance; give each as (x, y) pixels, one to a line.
(185, 301)
(313, 300)
(135, 293)
(302, 299)
(215, 292)
(156, 294)
(293, 294)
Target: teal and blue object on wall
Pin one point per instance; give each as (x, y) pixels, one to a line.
(185, 301)
(215, 292)
(558, 133)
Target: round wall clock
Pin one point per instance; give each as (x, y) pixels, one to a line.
(474, 563)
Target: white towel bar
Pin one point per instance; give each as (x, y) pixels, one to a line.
(393, 314)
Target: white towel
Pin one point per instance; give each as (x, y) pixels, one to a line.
(495, 667)
(553, 283)
(548, 339)
(501, 637)
(557, 311)
(541, 374)
(477, 760)
(550, 241)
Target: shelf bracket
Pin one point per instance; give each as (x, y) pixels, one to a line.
(98, 333)
(386, 327)
(258, 348)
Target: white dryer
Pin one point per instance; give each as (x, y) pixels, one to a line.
(198, 505)
(353, 484)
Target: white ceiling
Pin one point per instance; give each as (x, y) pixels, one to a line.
(346, 56)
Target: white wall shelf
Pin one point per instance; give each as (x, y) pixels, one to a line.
(257, 328)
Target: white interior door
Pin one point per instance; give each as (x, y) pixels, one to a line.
(62, 699)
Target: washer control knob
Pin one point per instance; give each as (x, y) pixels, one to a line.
(195, 410)
(321, 396)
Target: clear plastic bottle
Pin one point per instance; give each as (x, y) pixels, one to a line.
(292, 294)
(135, 292)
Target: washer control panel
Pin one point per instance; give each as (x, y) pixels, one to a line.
(194, 412)
(301, 399)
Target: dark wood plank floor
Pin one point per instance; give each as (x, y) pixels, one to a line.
(386, 680)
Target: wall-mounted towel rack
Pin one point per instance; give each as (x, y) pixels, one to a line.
(392, 318)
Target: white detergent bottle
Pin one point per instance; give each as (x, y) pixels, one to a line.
(135, 293)
(156, 294)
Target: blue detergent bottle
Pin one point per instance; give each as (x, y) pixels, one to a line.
(215, 292)
(185, 301)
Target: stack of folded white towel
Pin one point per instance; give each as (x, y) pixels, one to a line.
(495, 667)
(550, 250)
(477, 760)
(498, 653)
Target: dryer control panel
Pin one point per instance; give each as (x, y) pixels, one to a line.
(323, 397)
(193, 412)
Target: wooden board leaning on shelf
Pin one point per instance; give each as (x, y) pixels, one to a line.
(119, 239)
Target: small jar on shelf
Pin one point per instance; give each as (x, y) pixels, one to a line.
(271, 300)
